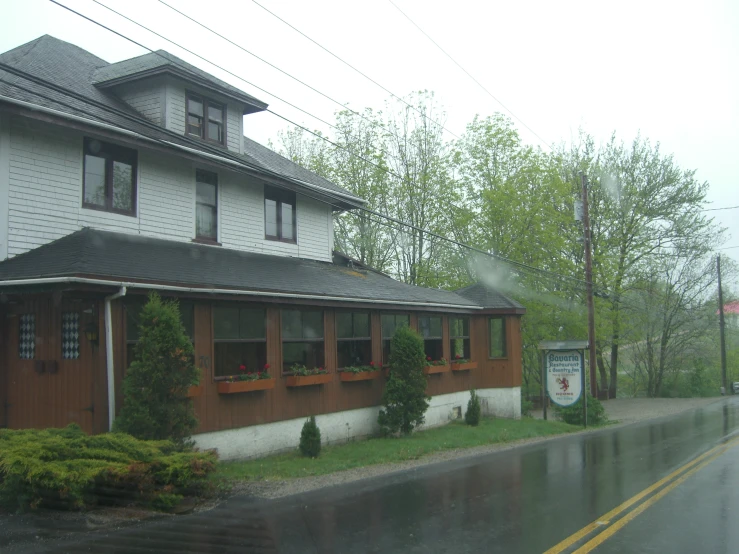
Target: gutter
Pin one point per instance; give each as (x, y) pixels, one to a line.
(109, 354)
(109, 127)
(175, 288)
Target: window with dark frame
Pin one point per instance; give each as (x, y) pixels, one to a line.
(133, 307)
(353, 339)
(497, 338)
(430, 329)
(206, 119)
(459, 338)
(390, 323)
(109, 181)
(279, 214)
(240, 338)
(206, 205)
(302, 338)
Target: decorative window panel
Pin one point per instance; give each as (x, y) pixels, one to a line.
(27, 337)
(70, 335)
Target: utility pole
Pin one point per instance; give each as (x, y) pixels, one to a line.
(589, 285)
(721, 326)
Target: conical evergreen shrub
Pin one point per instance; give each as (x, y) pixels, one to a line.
(472, 415)
(310, 439)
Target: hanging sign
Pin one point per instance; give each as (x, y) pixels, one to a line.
(564, 375)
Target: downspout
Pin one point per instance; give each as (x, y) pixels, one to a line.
(109, 354)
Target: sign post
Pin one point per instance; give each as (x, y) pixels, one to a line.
(563, 373)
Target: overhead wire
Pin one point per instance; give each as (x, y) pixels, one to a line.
(479, 84)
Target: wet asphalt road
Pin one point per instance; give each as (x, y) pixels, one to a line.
(518, 501)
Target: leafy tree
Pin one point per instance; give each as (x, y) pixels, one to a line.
(155, 387)
(404, 397)
(310, 439)
(472, 415)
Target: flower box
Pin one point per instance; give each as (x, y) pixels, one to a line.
(197, 390)
(466, 366)
(348, 376)
(431, 369)
(227, 387)
(308, 380)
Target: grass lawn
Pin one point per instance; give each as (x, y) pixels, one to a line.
(379, 451)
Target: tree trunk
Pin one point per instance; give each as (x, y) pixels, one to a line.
(601, 370)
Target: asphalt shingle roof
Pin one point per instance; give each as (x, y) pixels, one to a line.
(164, 60)
(123, 257)
(487, 297)
(73, 68)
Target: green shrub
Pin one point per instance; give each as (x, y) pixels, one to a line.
(573, 414)
(472, 415)
(310, 439)
(526, 407)
(155, 387)
(65, 468)
(404, 398)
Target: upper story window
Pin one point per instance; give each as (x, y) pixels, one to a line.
(497, 338)
(206, 119)
(109, 177)
(206, 205)
(279, 214)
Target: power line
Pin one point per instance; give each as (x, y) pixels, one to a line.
(190, 52)
(717, 209)
(479, 84)
(391, 93)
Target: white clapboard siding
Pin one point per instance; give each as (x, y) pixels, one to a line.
(45, 197)
(145, 97)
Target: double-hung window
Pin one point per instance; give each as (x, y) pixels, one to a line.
(302, 338)
(109, 177)
(240, 339)
(430, 329)
(459, 337)
(206, 119)
(206, 205)
(279, 214)
(390, 323)
(497, 338)
(353, 339)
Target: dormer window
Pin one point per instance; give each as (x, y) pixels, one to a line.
(206, 119)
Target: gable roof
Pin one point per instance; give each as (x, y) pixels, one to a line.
(118, 257)
(162, 61)
(53, 74)
(488, 298)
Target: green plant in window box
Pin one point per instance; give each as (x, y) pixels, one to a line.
(362, 368)
(249, 375)
(460, 360)
(304, 371)
(441, 361)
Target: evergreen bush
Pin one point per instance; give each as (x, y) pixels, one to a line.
(573, 414)
(67, 469)
(155, 404)
(472, 415)
(310, 439)
(404, 398)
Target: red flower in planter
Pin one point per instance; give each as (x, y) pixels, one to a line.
(457, 357)
(266, 367)
(372, 364)
(428, 358)
(242, 368)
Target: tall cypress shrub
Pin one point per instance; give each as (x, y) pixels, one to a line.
(155, 404)
(404, 398)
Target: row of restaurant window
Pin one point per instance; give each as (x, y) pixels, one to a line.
(109, 184)
(240, 336)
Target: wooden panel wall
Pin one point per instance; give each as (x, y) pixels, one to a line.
(218, 412)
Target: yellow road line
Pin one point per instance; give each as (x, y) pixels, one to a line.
(599, 523)
(621, 523)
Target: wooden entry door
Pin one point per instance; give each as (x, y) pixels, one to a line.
(50, 379)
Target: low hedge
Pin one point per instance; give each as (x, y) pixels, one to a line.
(68, 469)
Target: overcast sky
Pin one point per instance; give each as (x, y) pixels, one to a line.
(667, 69)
